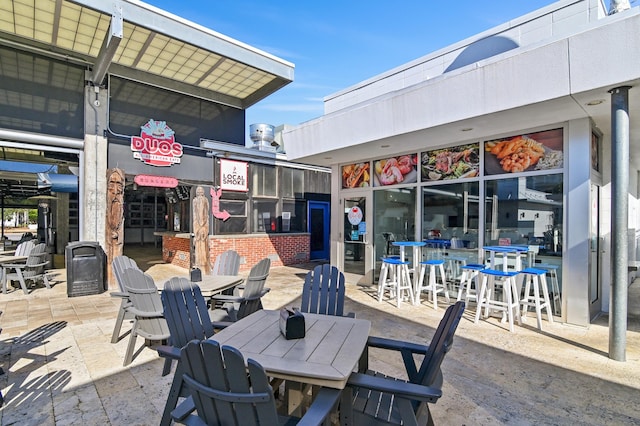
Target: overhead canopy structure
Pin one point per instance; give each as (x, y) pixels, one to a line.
(138, 41)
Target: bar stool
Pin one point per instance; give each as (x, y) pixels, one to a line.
(394, 276)
(509, 304)
(469, 277)
(537, 277)
(556, 299)
(453, 268)
(434, 266)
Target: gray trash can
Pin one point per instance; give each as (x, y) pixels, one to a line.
(86, 268)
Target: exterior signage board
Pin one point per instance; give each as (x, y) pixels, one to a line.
(233, 175)
(156, 145)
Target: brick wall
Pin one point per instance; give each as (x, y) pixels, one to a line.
(282, 249)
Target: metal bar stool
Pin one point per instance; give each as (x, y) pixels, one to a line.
(556, 298)
(434, 266)
(469, 277)
(488, 299)
(394, 276)
(537, 277)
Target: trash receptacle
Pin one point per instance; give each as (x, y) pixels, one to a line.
(86, 268)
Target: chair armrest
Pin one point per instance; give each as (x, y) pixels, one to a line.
(218, 325)
(120, 294)
(396, 345)
(226, 298)
(14, 265)
(183, 410)
(168, 352)
(321, 407)
(145, 314)
(398, 388)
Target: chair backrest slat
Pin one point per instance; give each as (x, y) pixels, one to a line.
(222, 391)
(254, 288)
(186, 312)
(440, 344)
(323, 291)
(226, 263)
(119, 264)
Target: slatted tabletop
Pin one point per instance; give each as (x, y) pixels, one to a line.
(326, 356)
(214, 284)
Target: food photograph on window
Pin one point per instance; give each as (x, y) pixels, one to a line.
(356, 176)
(395, 170)
(451, 163)
(524, 153)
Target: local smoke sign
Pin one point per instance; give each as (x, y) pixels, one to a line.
(156, 145)
(233, 175)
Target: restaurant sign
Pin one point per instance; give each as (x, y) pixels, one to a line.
(156, 145)
(233, 175)
(156, 181)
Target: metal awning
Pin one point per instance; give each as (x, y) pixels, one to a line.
(138, 41)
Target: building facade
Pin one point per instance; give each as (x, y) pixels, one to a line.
(509, 138)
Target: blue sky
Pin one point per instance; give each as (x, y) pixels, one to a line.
(335, 44)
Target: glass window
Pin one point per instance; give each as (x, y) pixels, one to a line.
(394, 220)
(525, 211)
(237, 222)
(294, 216)
(265, 181)
(450, 221)
(292, 183)
(264, 218)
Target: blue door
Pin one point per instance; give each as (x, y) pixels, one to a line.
(318, 222)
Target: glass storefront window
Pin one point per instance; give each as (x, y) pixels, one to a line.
(525, 211)
(394, 220)
(450, 221)
(264, 182)
(264, 216)
(294, 216)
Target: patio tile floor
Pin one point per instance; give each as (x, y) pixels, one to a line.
(60, 367)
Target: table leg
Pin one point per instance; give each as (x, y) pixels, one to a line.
(294, 397)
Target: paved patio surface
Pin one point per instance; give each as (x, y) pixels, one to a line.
(60, 367)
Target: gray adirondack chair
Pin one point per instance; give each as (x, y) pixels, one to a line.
(323, 291)
(246, 298)
(226, 263)
(225, 391)
(24, 248)
(119, 264)
(187, 316)
(32, 270)
(146, 307)
(373, 398)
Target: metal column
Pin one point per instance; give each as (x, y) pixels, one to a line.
(620, 221)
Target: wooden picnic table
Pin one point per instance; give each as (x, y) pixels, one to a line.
(326, 356)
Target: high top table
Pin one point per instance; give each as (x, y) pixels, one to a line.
(417, 256)
(505, 251)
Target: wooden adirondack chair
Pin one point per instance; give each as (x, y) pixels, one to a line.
(323, 291)
(246, 298)
(119, 264)
(225, 391)
(187, 316)
(226, 263)
(24, 248)
(146, 307)
(372, 398)
(31, 270)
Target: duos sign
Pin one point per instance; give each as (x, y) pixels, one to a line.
(156, 145)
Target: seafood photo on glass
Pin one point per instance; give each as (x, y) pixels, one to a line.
(396, 170)
(451, 163)
(522, 153)
(355, 175)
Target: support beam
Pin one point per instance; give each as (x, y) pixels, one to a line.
(109, 47)
(620, 222)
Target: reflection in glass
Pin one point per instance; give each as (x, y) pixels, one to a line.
(527, 211)
(450, 222)
(394, 219)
